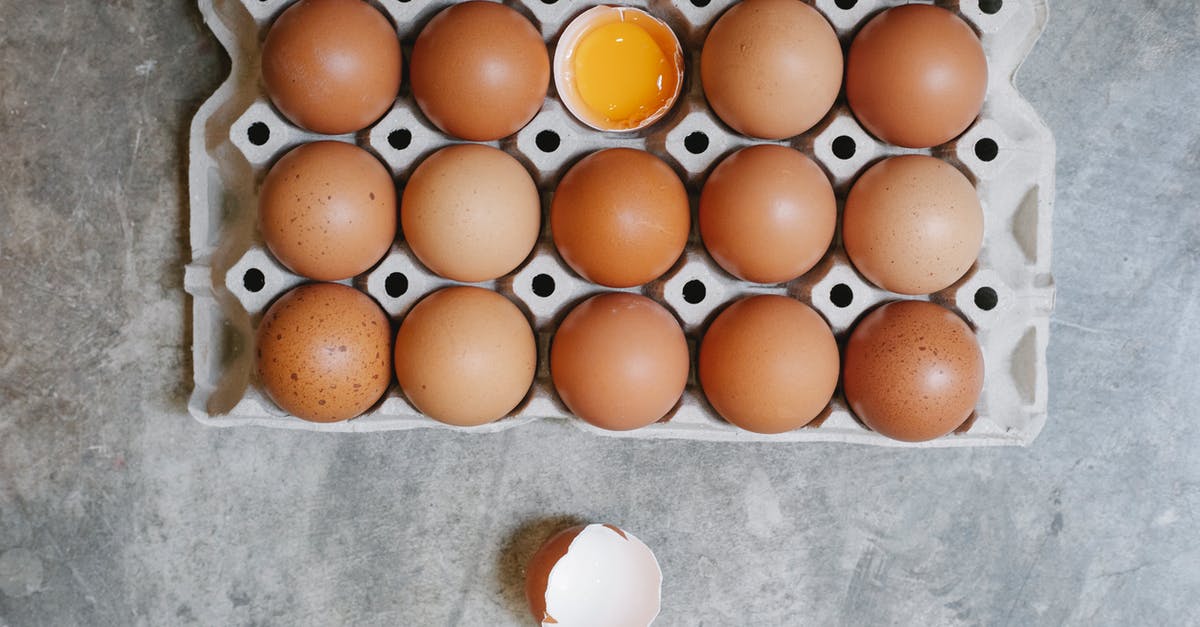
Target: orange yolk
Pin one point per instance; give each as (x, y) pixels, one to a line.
(622, 74)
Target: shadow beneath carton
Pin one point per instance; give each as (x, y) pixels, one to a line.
(514, 556)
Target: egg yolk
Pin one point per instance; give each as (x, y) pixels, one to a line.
(622, 74)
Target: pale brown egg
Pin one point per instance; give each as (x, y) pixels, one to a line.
(327, 210)
(332, 66)
(620, 217)
(913, 224)
(465, 356)
(619, 361)
(480, 70)
(767, 214)
(471, 213)
(913, 371)
(769, 364)
(771, 68)
(323, 352)
(916, 76)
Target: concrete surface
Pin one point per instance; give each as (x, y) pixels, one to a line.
(116, 508)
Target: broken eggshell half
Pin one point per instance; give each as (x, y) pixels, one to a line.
(594, 576)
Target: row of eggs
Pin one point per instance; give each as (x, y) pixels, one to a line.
(914, 75)
(467, 356)
(620, 217)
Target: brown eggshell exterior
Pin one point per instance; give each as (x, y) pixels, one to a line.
(480, 71)
(769, 364)
(332, 66)
(913, 371)
(323, 352)
(771, 68)
(767, 214)
(913, 224)
(916, 76)
(537, 573)
(620, 217)
(619, 361)
(327, 210)
(465, 356)
(471, 213)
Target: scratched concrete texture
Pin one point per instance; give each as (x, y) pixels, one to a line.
(116, 508)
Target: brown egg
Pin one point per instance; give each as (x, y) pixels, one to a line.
(480, 71)
(620, 217)
(619, 361)
(471, 213)
(767, 214)
(912, 224)
(332, 66)
(771, 68)
(913, 371)
(327, 210)
(465, 356)
(769, 364)
(916, 76)
(323, 352)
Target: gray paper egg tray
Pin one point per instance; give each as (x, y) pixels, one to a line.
(1007, 297)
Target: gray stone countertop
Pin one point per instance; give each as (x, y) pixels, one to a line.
(116, 508)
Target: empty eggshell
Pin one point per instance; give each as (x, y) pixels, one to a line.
(594, 576)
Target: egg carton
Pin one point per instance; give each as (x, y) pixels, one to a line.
(1007, 296)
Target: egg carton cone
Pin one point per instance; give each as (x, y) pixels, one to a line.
(1007, 297)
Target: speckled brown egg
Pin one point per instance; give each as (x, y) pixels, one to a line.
(323, 352)
(480, 70)
(913, 371)
(327, 210)
(912, 224)
(471, 213)
(771, 68)
(332, 66)
(916, 75)
(769, 364)
(767, 214)
(465, 356)
(619, 361)
(620, 217)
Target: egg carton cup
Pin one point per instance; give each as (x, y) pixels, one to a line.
(1006, 297)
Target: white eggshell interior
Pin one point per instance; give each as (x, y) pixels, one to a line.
(608, 578)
